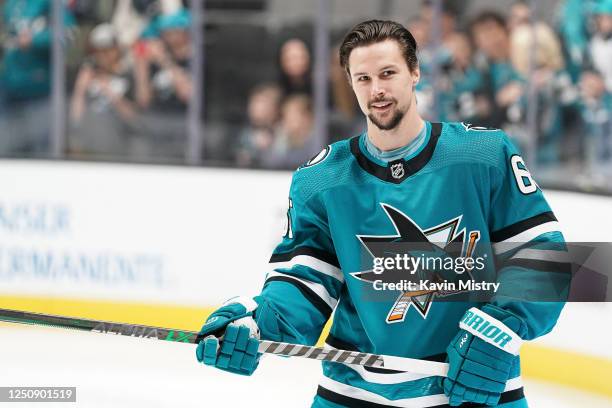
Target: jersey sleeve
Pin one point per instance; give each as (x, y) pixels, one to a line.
(533, 266)
(304, 281)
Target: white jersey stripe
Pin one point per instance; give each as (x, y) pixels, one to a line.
(379, 378)
(524, 237)
(313, 263)
(317, 288)
(543, 255)
(514, 384)
(359, 393)
(425, 401)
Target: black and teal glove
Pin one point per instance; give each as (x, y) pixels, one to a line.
(231, 338)
(481, 355)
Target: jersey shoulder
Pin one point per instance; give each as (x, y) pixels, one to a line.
(469, 144)
(328, 168)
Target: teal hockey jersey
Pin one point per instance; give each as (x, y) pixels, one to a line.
(464, 185)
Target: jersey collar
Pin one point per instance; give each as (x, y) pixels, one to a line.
(398, 170)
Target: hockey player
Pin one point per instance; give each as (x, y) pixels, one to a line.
(404, 180)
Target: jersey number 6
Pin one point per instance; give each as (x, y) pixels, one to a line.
(524, 181)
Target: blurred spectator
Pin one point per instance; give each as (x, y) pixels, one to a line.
(600, 45)
(345, 119)
(597, 114)
(295, 67)
(258, 136)
(448, 19)
(102, 112)
(557, 97)
(573, 27)
(129, 20)
(294, 143)
(90, 12)
(502, 87)
(459, 81)
(164, 81)
(520, 14)
(435, 60)
(25, 76)
(420, 27)
(419, 30)
(596, 90)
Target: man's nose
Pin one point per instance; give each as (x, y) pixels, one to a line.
(377, 90)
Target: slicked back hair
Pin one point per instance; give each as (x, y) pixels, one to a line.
(375, 31)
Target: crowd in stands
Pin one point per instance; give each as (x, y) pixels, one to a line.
(496, 70)
(133, 81)
(129, 81)
(488, 69)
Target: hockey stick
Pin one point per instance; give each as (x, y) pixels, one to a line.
(265, 346)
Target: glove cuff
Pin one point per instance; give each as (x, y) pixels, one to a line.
(491, 330)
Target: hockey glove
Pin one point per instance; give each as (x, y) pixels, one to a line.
(481, 355)
(231, 338)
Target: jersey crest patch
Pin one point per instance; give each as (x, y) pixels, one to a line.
(320, 157)
(397, 170)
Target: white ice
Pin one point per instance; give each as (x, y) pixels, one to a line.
(117, 371)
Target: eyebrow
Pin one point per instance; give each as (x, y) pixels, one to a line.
(386, 67)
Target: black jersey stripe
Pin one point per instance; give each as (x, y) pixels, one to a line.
(344, 400)
(306, 250)
(522, 226)
(540, 265)
(308, 293)
(340, 344)
(506, 397)
(411, 166)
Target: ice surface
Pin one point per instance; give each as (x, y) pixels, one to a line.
(117, 371)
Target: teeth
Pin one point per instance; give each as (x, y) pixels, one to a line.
(380, 104)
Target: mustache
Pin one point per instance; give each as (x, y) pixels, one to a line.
(392, 100)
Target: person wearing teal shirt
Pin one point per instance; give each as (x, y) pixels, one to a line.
(502, 86)
(25, 75)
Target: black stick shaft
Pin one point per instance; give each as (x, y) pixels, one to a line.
(265, 346)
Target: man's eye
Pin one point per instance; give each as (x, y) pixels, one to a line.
(363, 78)
(387, 73)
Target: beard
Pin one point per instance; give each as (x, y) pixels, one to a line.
(396, 116)
(390, 123)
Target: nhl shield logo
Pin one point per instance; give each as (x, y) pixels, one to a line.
(397, 170)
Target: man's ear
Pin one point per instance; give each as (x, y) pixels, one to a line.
(416, 76)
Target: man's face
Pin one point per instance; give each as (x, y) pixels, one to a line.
(295, 58)
(604, 23)
(175, 38)
(382, 82)
(491, 38)
(520, 13)
(106, 57)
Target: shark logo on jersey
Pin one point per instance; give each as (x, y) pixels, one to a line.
(440, 238)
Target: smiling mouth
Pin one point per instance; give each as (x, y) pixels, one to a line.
(381, 106)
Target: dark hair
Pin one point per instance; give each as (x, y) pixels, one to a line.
(488, 17)
(374, 31)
